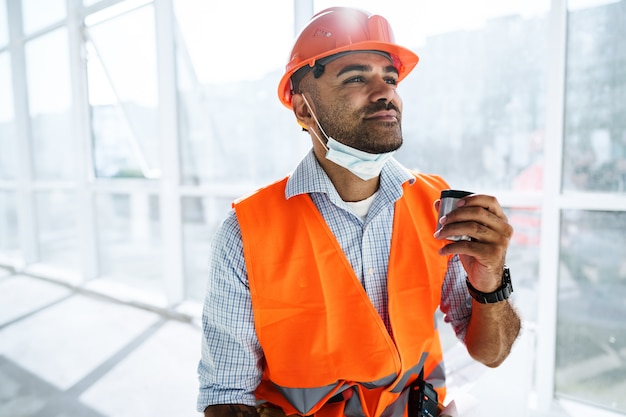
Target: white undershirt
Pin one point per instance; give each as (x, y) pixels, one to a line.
(360, 208)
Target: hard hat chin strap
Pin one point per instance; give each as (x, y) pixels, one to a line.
(318, 124)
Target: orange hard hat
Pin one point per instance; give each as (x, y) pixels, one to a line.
(343, 29)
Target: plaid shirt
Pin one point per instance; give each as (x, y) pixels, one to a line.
(230, 367)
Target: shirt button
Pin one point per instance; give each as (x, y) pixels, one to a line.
(370, 271)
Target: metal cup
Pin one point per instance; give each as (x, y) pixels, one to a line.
(449, 200)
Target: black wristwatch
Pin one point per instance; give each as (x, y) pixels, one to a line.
(498, 295)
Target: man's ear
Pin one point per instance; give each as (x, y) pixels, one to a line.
(301, 111)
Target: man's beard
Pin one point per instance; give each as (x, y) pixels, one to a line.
(368, 136)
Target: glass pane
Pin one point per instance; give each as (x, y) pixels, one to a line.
(8, 141)
(201, 217)
(591, 342)
(37, 16)
(123, 93)
(595, 126)
(4, 24)
(9, 233)
(474, 106)
(58, 231)
(50, 100)
(523, 258)
(233, 127)
(129, 239)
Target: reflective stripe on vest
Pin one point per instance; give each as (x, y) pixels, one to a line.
(318, 329)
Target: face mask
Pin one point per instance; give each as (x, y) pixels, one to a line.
(364, 165)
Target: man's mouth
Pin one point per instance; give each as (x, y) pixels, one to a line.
(383, 116)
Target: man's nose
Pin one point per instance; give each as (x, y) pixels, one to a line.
(382, 90)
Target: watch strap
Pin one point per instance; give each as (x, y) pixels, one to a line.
(501, 294)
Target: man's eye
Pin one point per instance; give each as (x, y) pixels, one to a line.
(391, 81)
(356, 79)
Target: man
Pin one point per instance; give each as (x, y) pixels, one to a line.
(323, 286)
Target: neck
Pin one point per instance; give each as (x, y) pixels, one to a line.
(349, 187)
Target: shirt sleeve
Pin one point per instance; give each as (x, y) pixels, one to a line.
(456, 302)
(230, 366)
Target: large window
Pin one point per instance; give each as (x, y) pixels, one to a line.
(123, 92)
(129, 240)
(595, 128)
(590, 344)
(58, 230)
(35, 17)
(233, 128)
(123, 96)
(8, 143)
(50, 101)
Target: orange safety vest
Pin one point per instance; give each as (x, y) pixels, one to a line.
(320, 333)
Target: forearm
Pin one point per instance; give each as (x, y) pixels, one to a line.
(492, 330)
(230, 410)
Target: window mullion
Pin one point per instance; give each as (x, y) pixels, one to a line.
(170, 204)
(82, 140)
(25, 175)
(550, 219)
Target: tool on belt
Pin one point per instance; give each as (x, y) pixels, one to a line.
(422, 398)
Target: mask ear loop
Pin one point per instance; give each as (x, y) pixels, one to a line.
(318, 124)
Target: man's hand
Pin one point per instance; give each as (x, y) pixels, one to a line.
(482, 219)
(230, 410)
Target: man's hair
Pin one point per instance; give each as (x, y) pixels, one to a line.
(301, 83)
